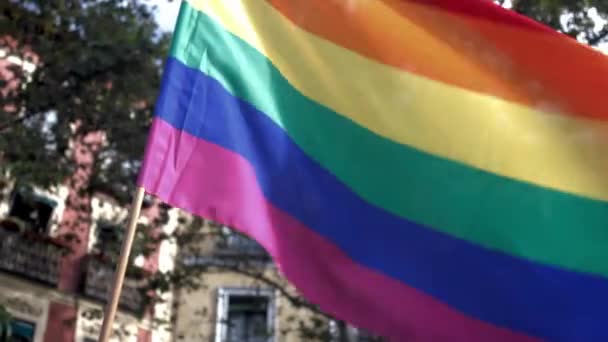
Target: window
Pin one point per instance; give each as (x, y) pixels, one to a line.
(22, 331)
(245, 315)
(108, 236)
(32, 209)
(247, 318)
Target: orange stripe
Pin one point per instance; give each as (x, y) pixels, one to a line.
(517, 64)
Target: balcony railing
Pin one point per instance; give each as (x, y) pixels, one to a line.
(28, 254)
(236, 244)
(98, 281)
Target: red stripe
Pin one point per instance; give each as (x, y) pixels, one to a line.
(488, 10)
(218, 184)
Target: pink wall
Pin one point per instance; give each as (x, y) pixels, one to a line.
(76, 221)
(144, 335)
(61, 324)
(152, 213)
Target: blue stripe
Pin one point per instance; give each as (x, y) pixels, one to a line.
(511, 292)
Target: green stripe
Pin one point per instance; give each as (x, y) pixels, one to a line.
(493, 211)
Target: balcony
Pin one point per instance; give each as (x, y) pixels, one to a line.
(239, 245)
(99, 279)
(29, 254)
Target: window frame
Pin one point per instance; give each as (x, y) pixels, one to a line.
(29, 323)
(222, 307)
(36, 196)
(97, 245)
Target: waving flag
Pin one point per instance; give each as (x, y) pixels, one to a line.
(429, 170)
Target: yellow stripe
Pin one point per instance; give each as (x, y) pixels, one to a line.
(557, 151)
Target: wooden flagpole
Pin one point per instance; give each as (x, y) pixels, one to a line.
(121, 268)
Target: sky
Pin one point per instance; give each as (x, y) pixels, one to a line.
(166, 14)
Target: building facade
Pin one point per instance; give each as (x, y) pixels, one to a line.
(55, 288)
(55, 269)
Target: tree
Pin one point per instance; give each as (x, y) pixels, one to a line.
(97, 69)
(585, 20)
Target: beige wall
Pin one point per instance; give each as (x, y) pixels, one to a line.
(125, 326)
(28, 302)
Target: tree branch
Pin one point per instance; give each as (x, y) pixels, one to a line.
(10, 123)
(596, 39)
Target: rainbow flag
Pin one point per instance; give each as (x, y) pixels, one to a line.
(430, 170)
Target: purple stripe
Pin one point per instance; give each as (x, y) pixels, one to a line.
(218, 184)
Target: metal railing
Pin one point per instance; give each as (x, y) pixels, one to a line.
(31, 255)
(235, 244)
(98, 281)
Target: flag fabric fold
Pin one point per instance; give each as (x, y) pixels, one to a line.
(444, 160)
